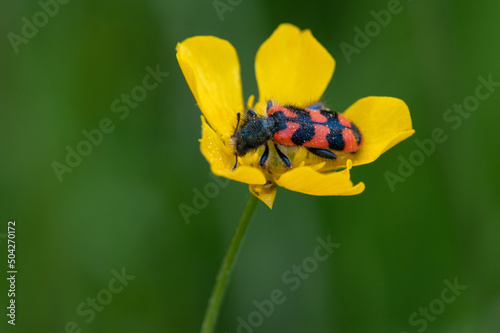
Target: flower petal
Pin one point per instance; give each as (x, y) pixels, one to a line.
(265, 193)
(292, 67)
(221, 158)
(307, 180)
(383, 122)
(212, 71)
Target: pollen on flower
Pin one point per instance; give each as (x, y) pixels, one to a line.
(268, 184)
(318, 166)
(231, 142)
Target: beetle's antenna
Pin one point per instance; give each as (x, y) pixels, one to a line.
(238, 115)
(234, 135)
(235, 163)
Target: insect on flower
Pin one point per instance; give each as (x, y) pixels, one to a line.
(281, 139)
(315, 128)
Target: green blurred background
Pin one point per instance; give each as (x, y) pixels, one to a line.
(119, 207)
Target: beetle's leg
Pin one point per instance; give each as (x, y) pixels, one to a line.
(264, 157)
(251, 114)
(269, 105)
(283, 157)
(316, 106)
(324, 153)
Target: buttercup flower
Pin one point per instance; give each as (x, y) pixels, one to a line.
(292, 68)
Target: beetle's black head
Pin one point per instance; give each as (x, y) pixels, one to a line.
(254, 132)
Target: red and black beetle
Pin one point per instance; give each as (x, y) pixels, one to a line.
(319, 130)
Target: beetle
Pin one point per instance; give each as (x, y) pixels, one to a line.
(319, 130)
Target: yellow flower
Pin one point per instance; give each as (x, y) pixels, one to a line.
(293, 68)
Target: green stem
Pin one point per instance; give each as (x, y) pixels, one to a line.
(226, 268)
